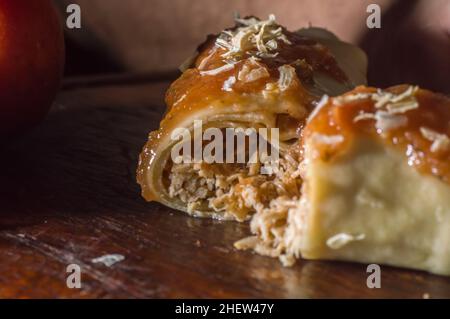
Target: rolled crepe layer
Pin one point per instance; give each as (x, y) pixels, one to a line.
(255, 75)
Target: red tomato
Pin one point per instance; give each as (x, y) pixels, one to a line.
(31, 63)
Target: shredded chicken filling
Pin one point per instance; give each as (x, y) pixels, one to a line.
(234, 191)
(270, 228)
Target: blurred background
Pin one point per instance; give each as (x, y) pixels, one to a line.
(413, 44)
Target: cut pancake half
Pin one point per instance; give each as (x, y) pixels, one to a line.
(376, 173)
(256, 75)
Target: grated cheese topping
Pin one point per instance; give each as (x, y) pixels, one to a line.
(228, 84)
(363, 116)
(327, 139)
(254, 37)
(350, 98)
(271, 90)
(287, 74)
(440, 142)
(402, 107)
(342, 239)
(386, 121)
(323, 101)
(252, 70)
(389, 107)
(223, 68)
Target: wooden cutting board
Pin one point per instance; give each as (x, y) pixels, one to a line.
(68, 195)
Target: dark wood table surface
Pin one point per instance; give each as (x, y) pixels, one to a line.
(68, 194)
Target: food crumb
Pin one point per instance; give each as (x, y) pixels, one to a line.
(108, 260)
(198, 243)
(426, 296)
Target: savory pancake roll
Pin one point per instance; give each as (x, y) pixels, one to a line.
(376, 184)
(254, 76)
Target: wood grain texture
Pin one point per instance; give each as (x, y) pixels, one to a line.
(68, 194)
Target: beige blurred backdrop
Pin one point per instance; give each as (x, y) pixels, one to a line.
(160, 34)
(412, 46)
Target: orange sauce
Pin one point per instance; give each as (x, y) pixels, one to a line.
(433, 113)
(198, 88)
